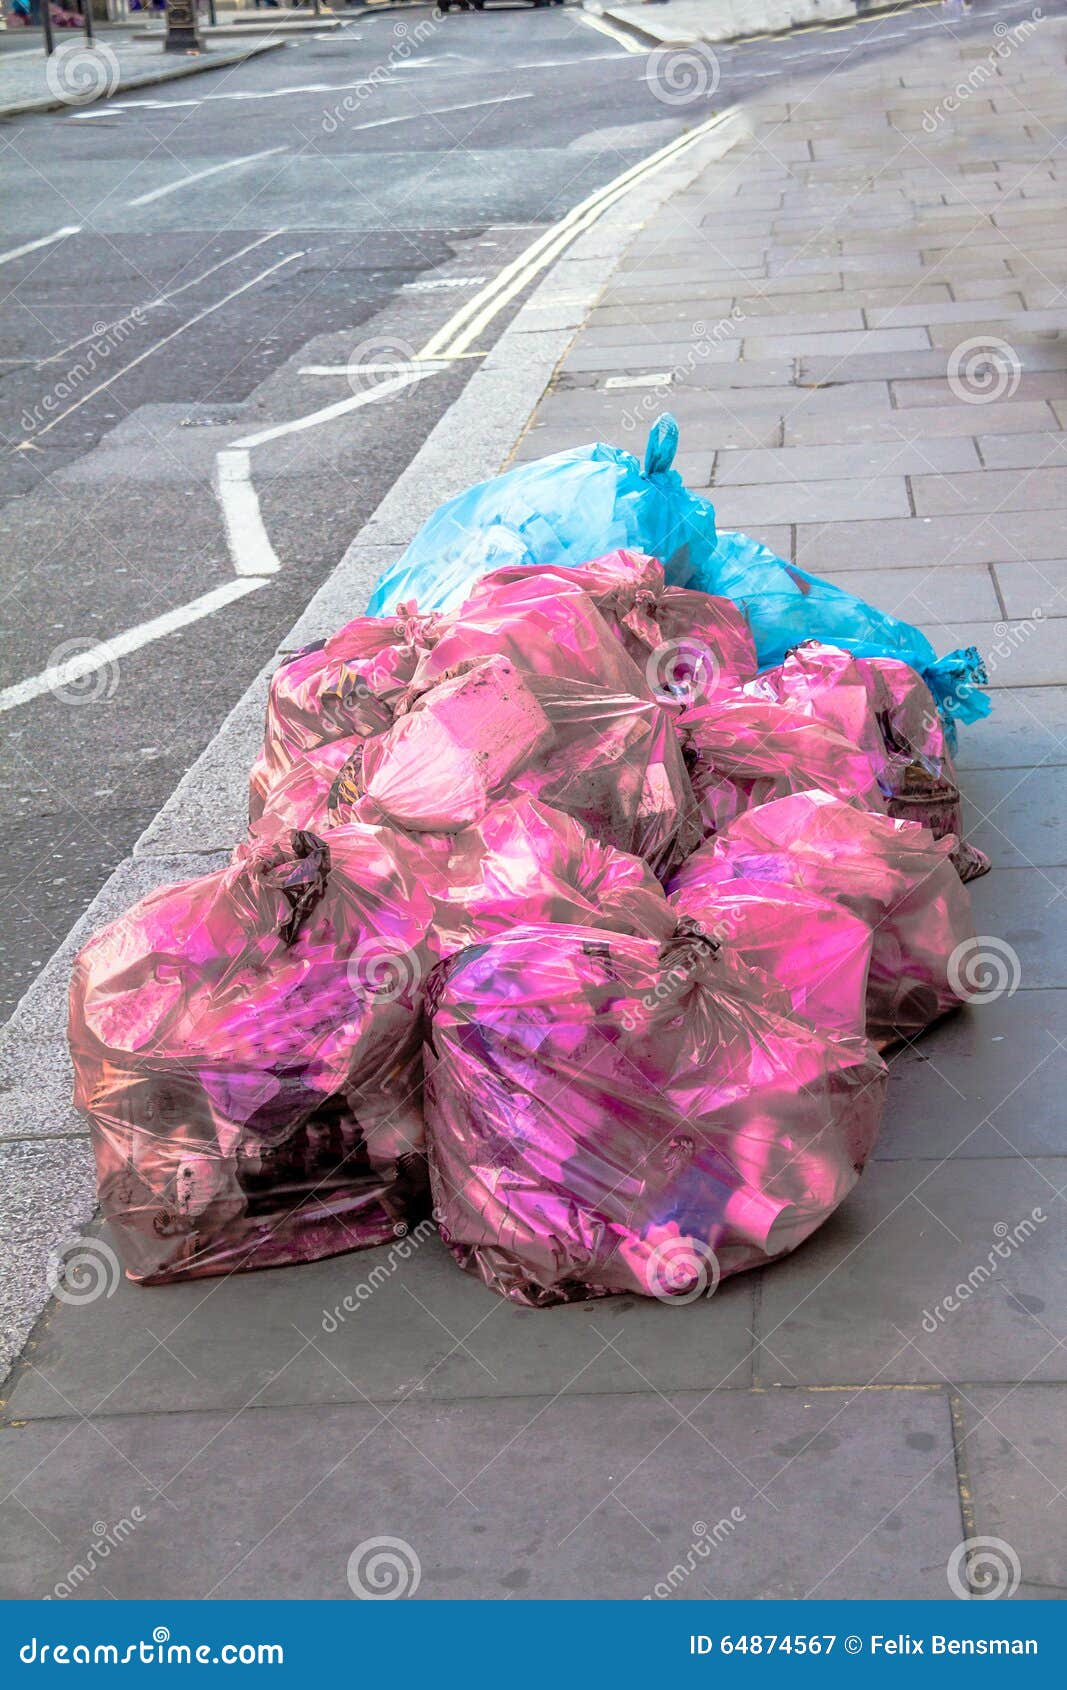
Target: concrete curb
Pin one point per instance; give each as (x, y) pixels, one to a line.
(165, 73)
(46, 1173)
(651, 35)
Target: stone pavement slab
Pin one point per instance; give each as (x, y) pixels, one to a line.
(1015, 1447)
(531, 1497)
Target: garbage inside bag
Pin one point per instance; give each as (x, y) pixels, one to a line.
(892, 874)
(882, 705)
(247, 1049)
(563, 509)
(688, 645)
(811, 948)
(525, 862)
(785, 605)
(741, 752)
(346, 685)
(611, 760)
(609, 1115)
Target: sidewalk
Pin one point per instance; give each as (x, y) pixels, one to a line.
(78, 73)
(855, 315)
(679, 22)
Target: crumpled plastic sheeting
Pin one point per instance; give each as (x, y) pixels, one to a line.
(247, 1049)
(811, 948)
(610, 760)
(347, 685)
(607, 1115)
(785, 605)
(742, 752)
(563, 509)
(688, 645)
(892, 874)
(881, 704)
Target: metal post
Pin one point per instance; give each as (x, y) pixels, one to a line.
(183, 28)
(46, 25)
(212, 16)
(87, 18)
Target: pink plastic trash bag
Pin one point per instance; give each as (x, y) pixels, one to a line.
(525, 862)
(741, 752)
(687, 644)
(246, 1047)
(344, 686)
(894, 875)
(320, 790)
(810, 947)
(609, 1115)
(883, 706)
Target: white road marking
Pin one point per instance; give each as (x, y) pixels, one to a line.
(395, 369)
(370, 396)
(162, 298)
(199, 175)
(249, 542)
(148, 352)
(45, 240)
(440, 111)
(442, 282)
(100, 656)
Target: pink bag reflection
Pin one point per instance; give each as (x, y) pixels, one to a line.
(883, 706)
(344, 686)
(610, 760)
(809, 947)
(609, 1115)
(894, 875)
(688, 645)
(246, 1047)
(742, 752)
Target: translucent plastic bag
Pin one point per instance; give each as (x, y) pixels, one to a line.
(741, 752)
(563, 509)
(247, 1049)
(346, 685)
(785, 605)
(608, 1115)
(811, 948)
(892, 874)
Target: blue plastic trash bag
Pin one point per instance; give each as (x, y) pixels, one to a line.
(582, 504)
(566, 509)
(784, 605)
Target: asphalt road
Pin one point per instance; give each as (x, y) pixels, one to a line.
(386, 171)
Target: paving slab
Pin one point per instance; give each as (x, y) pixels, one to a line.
(873, 1297)
(1015, 1446)
(931, 596)
(866, 461)
(985, 1081)
(479, 1494)
(1018, 816)
(1028, 728)
(414, 1325)
(1024, 908)
(989, 537)
(1029, 587)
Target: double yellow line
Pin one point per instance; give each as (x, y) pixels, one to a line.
(466, 324)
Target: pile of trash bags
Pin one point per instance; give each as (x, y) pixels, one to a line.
(587, 877)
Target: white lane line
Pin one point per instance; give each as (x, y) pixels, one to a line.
(174, 333)
(161, 299)
(456, 335)
(101, 656)
(370, 396)
(248, 540)
(45, 240)
(440, 111)
(429, 364)
(199, 175)
(626, 41)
